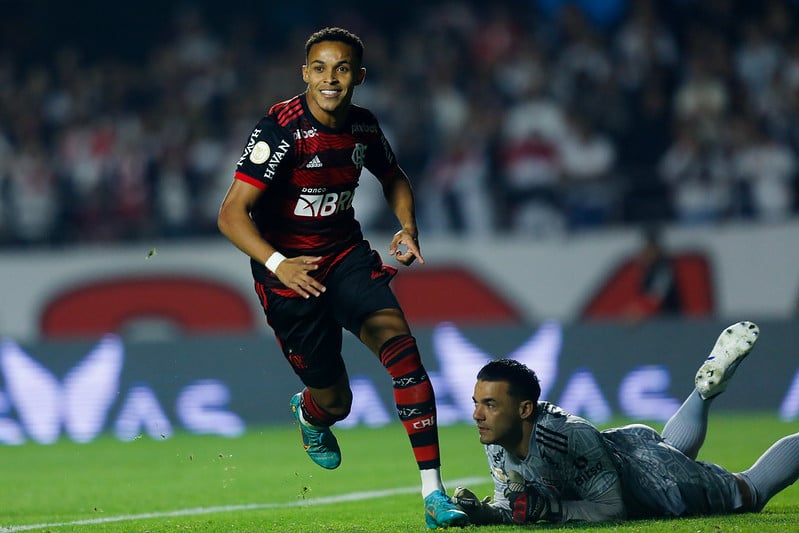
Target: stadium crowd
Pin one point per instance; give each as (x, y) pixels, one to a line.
(529, 117)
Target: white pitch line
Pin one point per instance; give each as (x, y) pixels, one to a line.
(327, 500)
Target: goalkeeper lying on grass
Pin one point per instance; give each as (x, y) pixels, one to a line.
(551, 466)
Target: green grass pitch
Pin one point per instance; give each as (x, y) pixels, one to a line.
(264, 482)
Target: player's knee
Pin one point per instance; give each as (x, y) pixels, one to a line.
(382, 326)
(340, 406)
(344, 412)
(339, 412)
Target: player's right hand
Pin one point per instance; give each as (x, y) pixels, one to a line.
(294, 273)
(404, 240)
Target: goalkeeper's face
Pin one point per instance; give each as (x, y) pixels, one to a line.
(499, 416)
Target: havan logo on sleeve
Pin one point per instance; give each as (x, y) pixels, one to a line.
(250, 145)
(277, 157)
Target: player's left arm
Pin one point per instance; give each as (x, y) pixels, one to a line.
(399, 195)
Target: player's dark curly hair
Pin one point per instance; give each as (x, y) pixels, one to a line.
(522, 382)
(337, 34)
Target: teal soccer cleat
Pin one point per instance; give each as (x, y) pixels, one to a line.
(319, 442)
(440, 512)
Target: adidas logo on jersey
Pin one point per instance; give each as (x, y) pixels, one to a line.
(314, 163)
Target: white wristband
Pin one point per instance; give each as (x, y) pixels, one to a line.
(274, 261)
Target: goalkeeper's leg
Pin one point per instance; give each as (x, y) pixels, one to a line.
(775, 470)
(686, 430)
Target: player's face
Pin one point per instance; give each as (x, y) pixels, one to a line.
(498, 415)
(331, 73)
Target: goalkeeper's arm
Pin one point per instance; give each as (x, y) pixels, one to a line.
(527, 503)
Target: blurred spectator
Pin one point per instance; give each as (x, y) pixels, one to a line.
(5, 185)
(640, 149)
(172, 198)
(697, 173)
(125, 138)
(765, 172)
(757, 57)
(785, 119)
(644, 45)
(453, 198)
(581, 61)
(522, 69)
(33, 193)
(529, 161)
(702, 99)
(658, 293)
(590, 187)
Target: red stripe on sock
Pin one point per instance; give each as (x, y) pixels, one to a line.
(314, 414)
(394, 347)
(420, 393)
(427, 454)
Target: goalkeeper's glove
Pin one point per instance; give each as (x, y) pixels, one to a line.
(479, 511)
(529, 503)
(467, 499)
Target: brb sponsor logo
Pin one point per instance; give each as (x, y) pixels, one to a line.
(317, 203)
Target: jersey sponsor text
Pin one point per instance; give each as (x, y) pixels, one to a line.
(275, 160)
(323, 205)
(250, 145)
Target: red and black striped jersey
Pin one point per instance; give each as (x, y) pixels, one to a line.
(308, 173)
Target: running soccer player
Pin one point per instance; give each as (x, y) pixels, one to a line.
(289, 209)
(548, 465)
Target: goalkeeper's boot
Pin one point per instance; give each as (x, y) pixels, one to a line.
(440, 512)
(319, 442)
(734, 343)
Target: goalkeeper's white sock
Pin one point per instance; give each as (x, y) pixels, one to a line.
(687, 428)
(431, 481)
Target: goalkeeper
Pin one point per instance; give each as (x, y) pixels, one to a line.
(548, 465)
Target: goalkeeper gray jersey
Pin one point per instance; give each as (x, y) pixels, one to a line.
(626, 472)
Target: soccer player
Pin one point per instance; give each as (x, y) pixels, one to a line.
(289, 209)
(548, 465)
